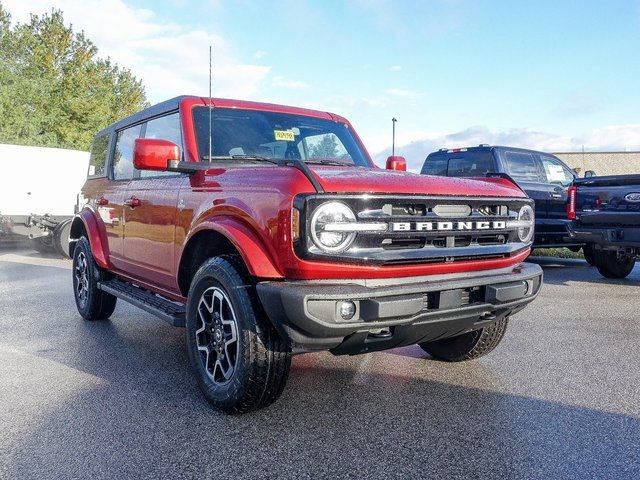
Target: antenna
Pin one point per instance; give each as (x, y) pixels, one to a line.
(210, 104)
(393, 136)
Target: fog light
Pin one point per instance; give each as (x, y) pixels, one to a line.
(347, 310)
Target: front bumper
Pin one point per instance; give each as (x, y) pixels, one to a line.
(608, 238)
(409, 310)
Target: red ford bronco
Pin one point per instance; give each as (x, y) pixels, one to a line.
(268, 231)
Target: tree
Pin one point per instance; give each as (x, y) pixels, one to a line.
(327, 147)
(54, 90)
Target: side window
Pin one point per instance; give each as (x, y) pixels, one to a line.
(522, 166)
(123, 154)
(166, 128)
(434, 166)
(98, 157)
(555, 171)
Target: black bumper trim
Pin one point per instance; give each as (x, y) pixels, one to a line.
(307, 315)
(615, 237)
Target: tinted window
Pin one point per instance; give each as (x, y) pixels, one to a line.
(522, 166)
(166, 128)
(123, 154)
(556, 171)
(276, 135)
(435, 165)
(470, 164)
(98, 158)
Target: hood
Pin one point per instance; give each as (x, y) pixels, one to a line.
(376, 180)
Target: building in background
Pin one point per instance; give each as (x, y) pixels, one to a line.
(603, 163)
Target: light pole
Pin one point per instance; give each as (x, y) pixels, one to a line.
(393, 136)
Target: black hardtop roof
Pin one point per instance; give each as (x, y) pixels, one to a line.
(144, 114)
(485, 148)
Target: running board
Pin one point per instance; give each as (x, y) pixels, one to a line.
(172, 312)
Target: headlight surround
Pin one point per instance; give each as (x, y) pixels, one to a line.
(527, 220)
(332, 212)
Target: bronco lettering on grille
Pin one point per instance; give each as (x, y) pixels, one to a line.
(447, 226)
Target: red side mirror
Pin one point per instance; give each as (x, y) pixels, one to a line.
(154, 153)
(395, 162)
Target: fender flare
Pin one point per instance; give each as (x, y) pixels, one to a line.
(252, 250)
(97, 239)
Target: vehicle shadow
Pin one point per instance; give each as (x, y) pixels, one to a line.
(374, 415)
(561, 271)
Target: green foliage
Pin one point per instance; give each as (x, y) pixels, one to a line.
(327, 147)
(54, 90)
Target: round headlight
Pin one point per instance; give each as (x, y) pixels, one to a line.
(526, 218)
(332, 213)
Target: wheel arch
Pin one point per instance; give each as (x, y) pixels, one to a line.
(224, 236)
(85, 224)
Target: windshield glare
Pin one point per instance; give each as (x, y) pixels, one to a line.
(237, 132)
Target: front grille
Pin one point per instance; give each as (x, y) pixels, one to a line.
(422, 229)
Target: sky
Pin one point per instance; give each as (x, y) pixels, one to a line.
(551, 75)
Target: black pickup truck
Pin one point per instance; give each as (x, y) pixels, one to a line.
(605, 215)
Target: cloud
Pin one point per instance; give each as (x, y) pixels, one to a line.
(613, 137)
(395, 68)
(170, 59)
(280, 81)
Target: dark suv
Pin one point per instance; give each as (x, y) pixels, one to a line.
(541, 175)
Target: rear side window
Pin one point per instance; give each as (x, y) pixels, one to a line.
(435, 165)
(522, 166)
(123, 154)
(98, 158)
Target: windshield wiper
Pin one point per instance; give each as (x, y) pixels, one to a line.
(257, 158)
(337, 163)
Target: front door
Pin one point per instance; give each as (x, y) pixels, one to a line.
(150, 210)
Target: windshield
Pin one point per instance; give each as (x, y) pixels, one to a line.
(238, 133)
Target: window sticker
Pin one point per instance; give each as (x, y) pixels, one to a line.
(555, 173)
(286, 135)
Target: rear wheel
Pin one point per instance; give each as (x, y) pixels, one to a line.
(61, 237)
(589, 254)
(240, 362)
(611, 264)
(92, 303)
(467, 346)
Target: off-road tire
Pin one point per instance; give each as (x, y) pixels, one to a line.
(96, 305)
(43, 244)
(612, 265)
(61, 237)
(589, 254)
(262, 359)
(467, 346)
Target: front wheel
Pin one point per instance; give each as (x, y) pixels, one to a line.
(610, 264)
(240, 362)
(467, 346)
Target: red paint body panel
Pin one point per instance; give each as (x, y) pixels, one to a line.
(250, 204)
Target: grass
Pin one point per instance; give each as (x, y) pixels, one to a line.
(556, 252)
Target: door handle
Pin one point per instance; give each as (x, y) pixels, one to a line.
(132, 202)
(102, 201)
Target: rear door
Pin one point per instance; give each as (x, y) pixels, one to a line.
(150, 212)
(113, 197)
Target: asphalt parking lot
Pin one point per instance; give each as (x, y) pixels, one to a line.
(559, 398)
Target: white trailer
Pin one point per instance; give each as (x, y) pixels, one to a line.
(38, 193)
